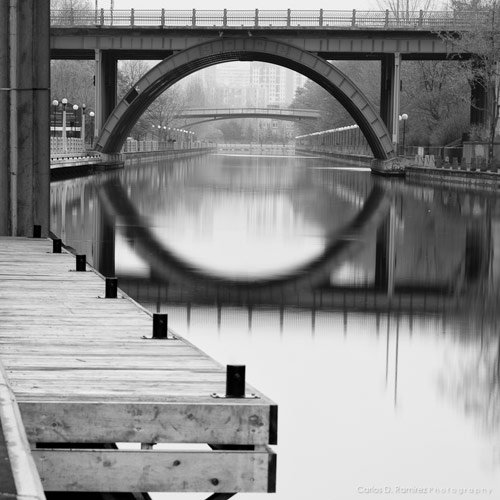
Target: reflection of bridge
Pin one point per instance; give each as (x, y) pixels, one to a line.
(212, 114)
(394, 277)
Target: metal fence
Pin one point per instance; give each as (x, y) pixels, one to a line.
(335, 19)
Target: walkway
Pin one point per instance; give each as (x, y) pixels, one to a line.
(84, 369)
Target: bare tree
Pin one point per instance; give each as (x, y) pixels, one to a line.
(480, 43)
(402, 8)
(73, 80)
(436, 95)
(129, 73)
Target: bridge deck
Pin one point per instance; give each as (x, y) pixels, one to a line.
(85, 370)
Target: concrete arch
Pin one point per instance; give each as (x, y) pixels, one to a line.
(181, 64)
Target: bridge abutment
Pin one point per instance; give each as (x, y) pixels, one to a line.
(106, 87)
(24, 116)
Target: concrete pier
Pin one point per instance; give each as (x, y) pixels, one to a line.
(24, 116)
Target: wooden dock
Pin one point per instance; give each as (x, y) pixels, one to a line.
(86, 373)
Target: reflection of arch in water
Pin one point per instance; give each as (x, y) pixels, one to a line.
(348, 241)
(206, 54)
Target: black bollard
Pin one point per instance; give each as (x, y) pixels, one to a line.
(160, 326)
(56, 245)
(81, 261)
(111, 288)
(235, 381)
(37, 231)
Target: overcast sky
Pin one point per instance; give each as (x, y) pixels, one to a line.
(244, 4)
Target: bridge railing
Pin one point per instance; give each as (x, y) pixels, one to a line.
(200, 112)
(355, 19)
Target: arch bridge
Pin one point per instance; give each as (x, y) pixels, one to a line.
(274, 113)
(303, 41)
(185, 42)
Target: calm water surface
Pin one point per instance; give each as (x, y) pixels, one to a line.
(367, 308)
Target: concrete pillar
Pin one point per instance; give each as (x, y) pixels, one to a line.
(24, 116)
(106, 87)
(390, 90)
(4, 119)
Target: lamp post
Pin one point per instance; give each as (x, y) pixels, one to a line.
(404, 117)
(82, 131)
(75, 109)
(55, 103)
(64, 138)
(92, 114)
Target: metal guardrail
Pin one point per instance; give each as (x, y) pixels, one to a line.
(355, 19)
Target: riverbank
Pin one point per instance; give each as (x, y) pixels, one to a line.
(479, 179)
(354, 158)
(79, 165)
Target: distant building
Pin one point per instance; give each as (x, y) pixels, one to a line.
(247, 84)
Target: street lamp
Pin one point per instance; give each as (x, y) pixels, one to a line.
(92, 132)
(64, 102)
(75, 109)
(82, 131)
(404, 117)
(55, 103)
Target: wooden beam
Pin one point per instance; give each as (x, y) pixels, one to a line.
(189, 420)
(18, 475)
(157, 471)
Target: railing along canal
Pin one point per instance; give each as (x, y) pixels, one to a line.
(354, 19)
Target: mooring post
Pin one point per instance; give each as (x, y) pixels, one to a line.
(235, 381)
(81, 263)
(160, 326)
(37, 231)
(111, 288)
(56, 245)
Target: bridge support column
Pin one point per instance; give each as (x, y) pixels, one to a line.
(24, 116)
(390, 89)
(106, 87)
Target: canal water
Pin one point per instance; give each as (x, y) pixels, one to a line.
(366, 307)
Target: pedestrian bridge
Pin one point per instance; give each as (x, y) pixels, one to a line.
(211, 114)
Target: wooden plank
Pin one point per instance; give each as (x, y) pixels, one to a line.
(96, 349)
(156, 471)
(104, 362)
(123, 376)
(196, 420)
(83, 373)
(18, 474)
